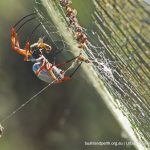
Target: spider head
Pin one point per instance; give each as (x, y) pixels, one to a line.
(43, 46)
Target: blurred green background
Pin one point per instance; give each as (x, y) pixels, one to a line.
(61, 118)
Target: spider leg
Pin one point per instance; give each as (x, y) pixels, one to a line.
(62, 80)
(15, 44)
(27, 48)
(52, 75)
(70, 76)
(42, 66)
(16, 41)
(48, 68)
(54, 61)
(76, 69)
(13, 35)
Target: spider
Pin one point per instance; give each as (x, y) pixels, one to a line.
(42, 68)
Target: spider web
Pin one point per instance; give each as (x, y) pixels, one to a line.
(54, 36)
(118, 45)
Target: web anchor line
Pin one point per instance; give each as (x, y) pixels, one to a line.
(24, 104)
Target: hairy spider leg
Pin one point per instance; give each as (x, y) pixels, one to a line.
(42, 66)
(81, 59)
(14, 38)
(15, 44)
(25, 23)
(70, 76)
(34, 31)
(24, 18)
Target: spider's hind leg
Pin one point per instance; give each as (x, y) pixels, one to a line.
(13, 37)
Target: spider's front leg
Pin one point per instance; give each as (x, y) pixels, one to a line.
(13, 36)
(15, 45)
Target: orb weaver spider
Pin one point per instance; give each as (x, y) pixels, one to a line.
(42, 68)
